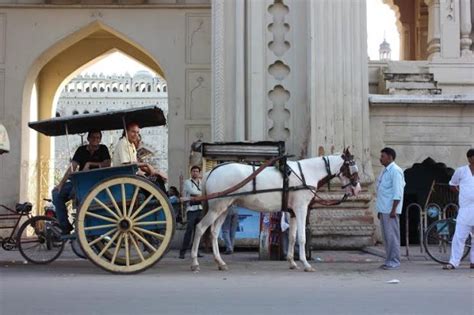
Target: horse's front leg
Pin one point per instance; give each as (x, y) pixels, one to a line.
(291, 243)
(301, 223)
(215, 229)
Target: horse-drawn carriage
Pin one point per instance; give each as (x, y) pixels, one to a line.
(125, 223)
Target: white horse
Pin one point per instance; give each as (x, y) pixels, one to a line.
(312, 171)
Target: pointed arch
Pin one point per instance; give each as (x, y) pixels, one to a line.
(54, 68)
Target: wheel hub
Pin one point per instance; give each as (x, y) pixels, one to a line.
(125, 225)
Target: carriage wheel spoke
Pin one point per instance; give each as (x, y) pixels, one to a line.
(98, 227)
(141, 238)
(127, 250)
(106, 247)
(102, 237)
(124, 200)
(149, 223)
(141, 207)
(114, 202)
(117, 248)
(157, 235)
(148, 213)
(98, 216)
(134, 198)
(137, 248)
(103, 205)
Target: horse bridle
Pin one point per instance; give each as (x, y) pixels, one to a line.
(348, 169)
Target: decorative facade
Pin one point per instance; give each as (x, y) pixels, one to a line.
(255, 70)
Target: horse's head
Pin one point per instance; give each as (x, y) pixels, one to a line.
(349, 173)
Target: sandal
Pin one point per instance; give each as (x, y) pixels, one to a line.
(448, 267)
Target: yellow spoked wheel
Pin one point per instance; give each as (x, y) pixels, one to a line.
(125, 224)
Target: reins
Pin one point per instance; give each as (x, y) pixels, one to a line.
(226, 192)
(321, 200)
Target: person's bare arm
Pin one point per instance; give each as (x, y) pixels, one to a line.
(72, 168)
(90, 165)
(150, 170)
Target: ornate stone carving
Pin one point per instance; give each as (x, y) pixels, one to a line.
(279, 96)
(198, 94)
(218, 41)
(198, 38)
(3, 27)
(279, 114)
(279, 70)
(279, 46)
(450, 10)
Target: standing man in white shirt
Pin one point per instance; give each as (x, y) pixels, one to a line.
(192, 188)
(463, 181)
(390, 189)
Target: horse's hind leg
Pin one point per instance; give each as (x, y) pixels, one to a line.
(301, 223)
(291, 243)
(201, 227)
(215, 229)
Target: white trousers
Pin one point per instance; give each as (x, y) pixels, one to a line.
(459, 240)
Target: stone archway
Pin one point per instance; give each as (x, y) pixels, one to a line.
(419, 179)
(412, 24)
(57, 66)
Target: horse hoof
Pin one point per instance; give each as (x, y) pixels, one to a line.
(309, 269)
(294, 267)
(195, 268)
(223, 267)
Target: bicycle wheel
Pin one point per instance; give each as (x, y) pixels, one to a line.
(76, 248)
(37, 242)
(438, 239)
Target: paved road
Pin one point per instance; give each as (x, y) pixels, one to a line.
(351, 284)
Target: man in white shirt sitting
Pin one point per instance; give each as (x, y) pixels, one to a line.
(126, 153)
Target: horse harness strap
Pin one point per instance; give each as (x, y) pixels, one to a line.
(303, 180)
(254, 181)
(328, 170)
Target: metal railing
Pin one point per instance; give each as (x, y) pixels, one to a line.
(431, 210)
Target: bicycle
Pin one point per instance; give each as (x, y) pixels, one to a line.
(438, 239)
(21, 210)
(43, 241)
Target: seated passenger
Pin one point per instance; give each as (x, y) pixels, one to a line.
(126, 153)
(90, 156)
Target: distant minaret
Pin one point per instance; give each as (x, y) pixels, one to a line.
(384, 50)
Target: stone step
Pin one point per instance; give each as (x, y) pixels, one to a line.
(410, 85)
(408, 77)
(393, 91)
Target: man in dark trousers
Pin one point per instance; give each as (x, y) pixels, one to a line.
(90, 156)
(192, 188)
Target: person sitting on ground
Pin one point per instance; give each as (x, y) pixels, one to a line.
(90, 156)
(126, 153)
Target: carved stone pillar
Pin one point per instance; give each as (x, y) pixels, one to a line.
(434, 35)
(339, 110)
(339, 80)
(466, 27)
(218, 64)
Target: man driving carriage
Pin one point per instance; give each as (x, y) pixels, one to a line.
(90, 156)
